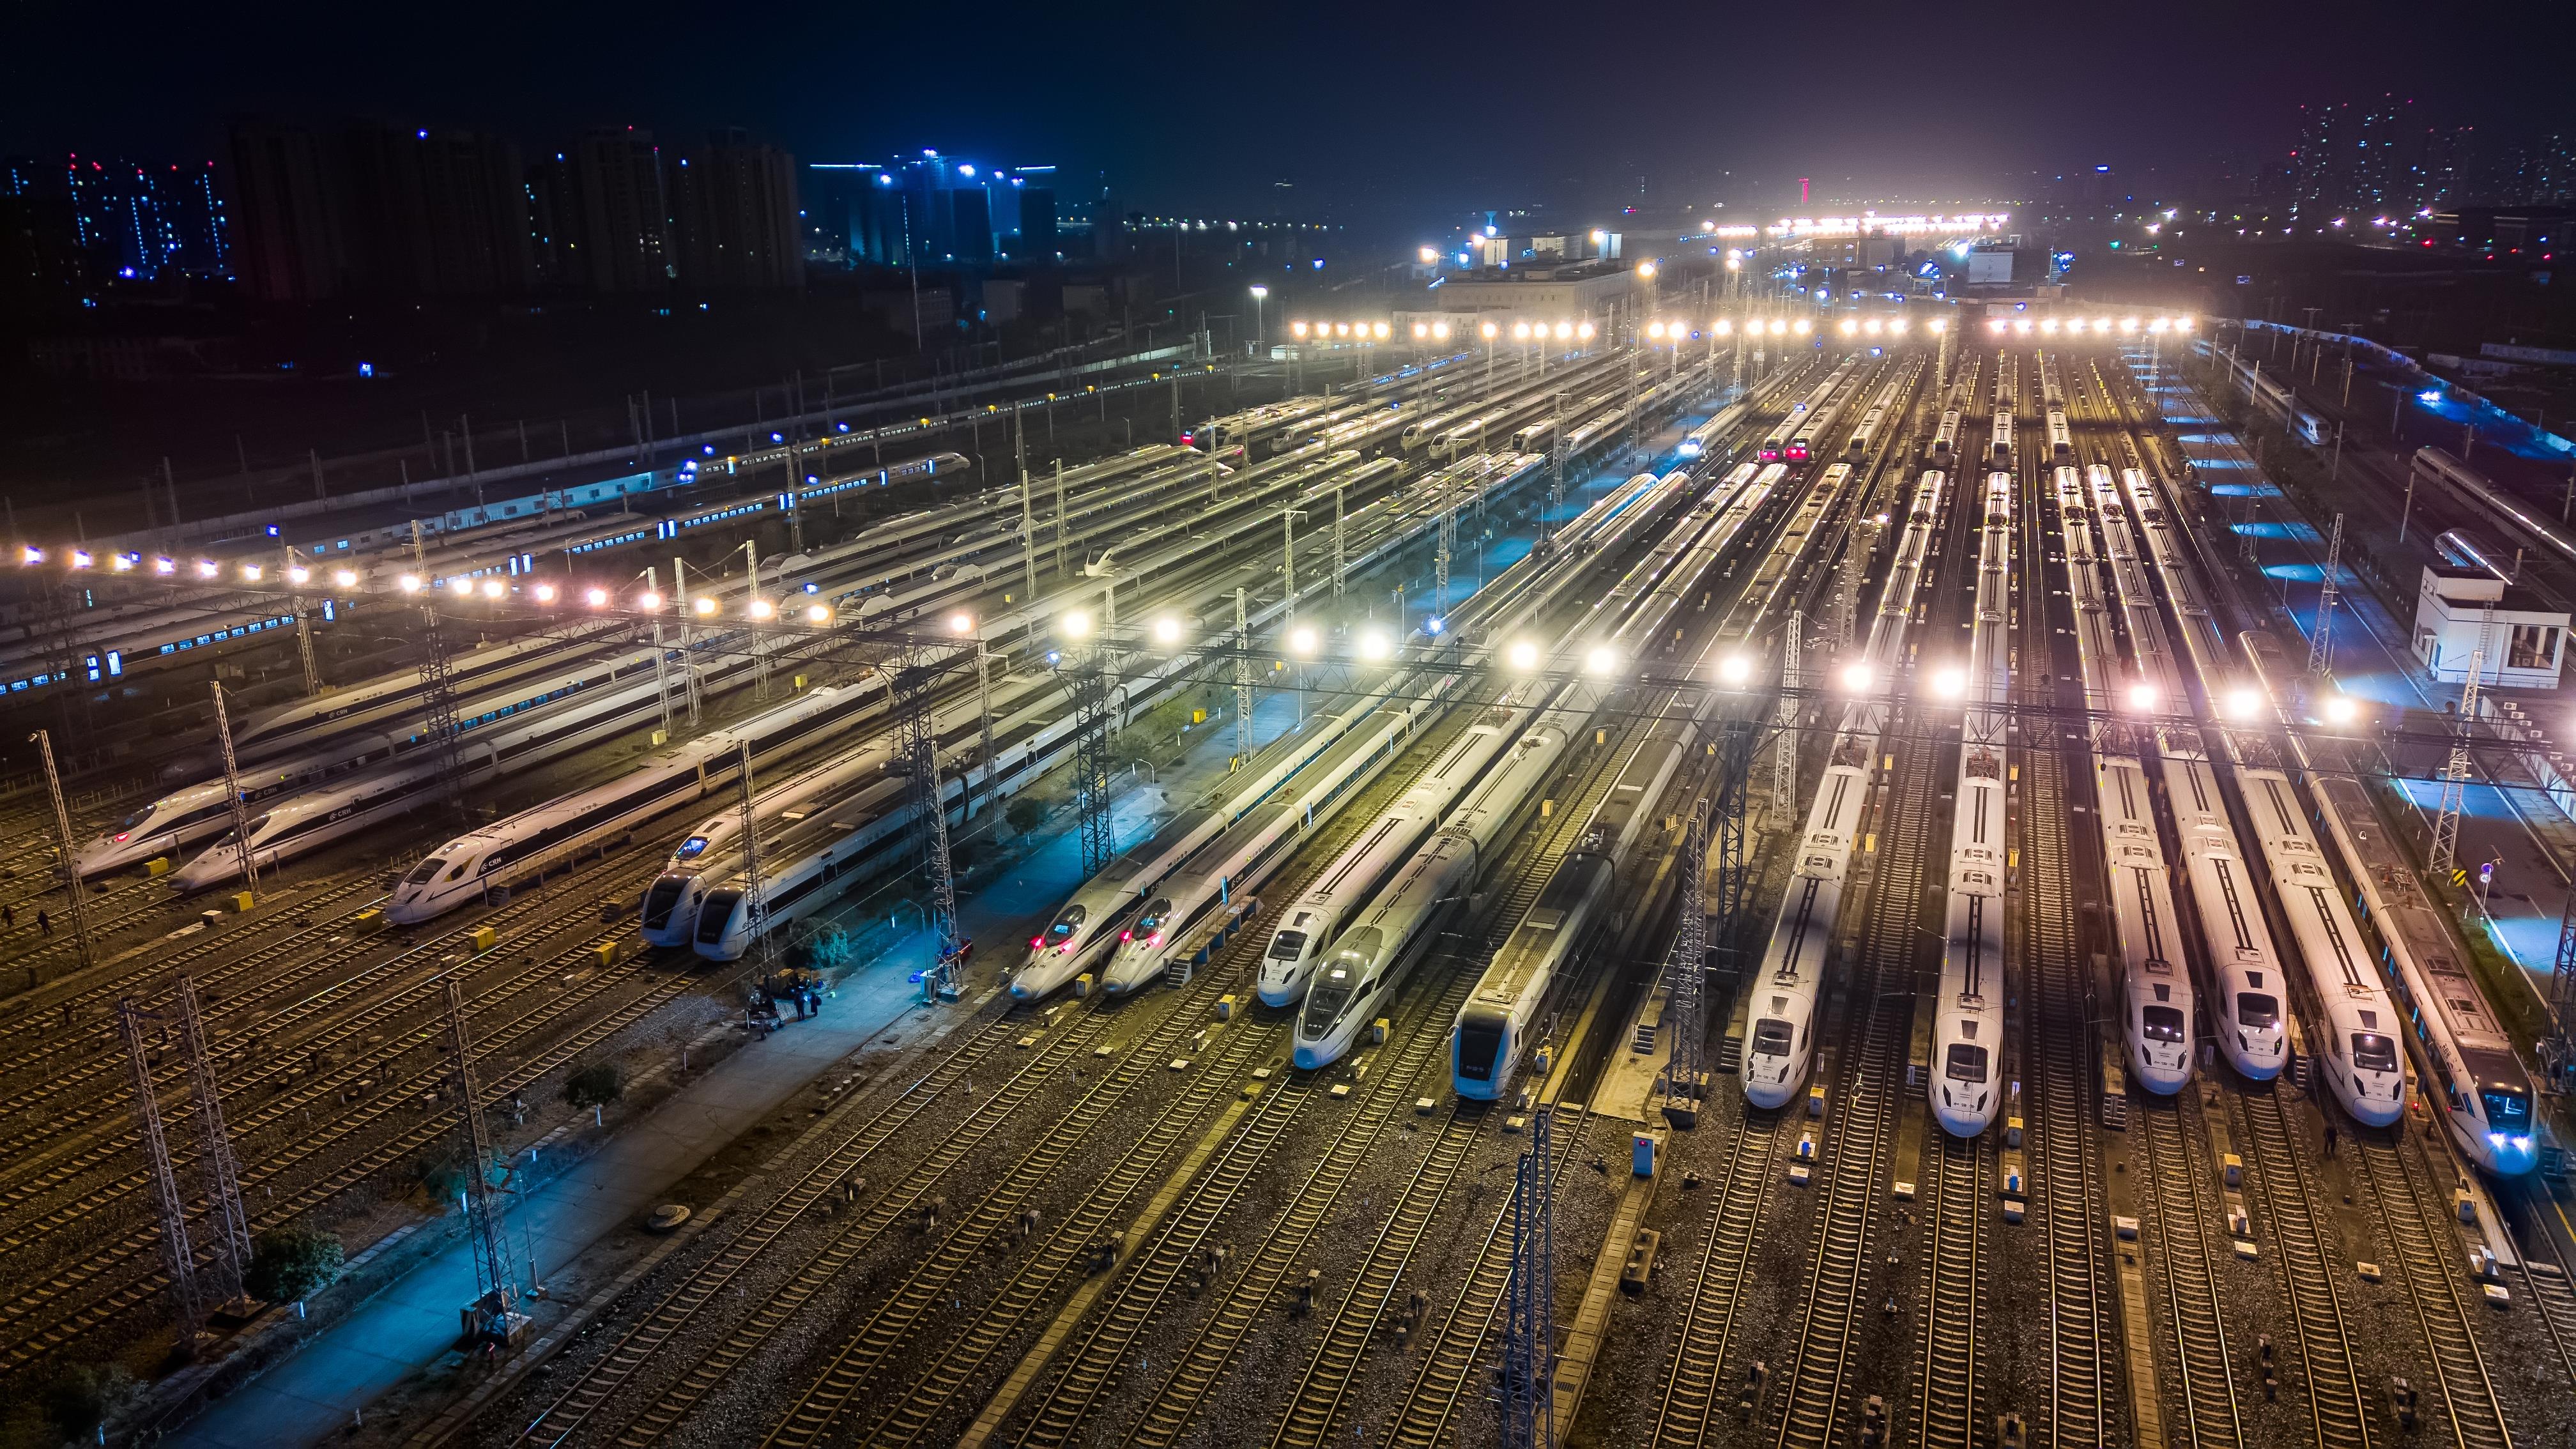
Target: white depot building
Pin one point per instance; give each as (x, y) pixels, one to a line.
(2524, 643)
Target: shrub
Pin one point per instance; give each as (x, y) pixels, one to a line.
(291, 1264)
(1024, 814)
(595, 1085)
(81, 1396)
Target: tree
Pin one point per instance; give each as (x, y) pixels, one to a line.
(81, 1396)
(291, 1264)
(1024, 814)
(595, 1086)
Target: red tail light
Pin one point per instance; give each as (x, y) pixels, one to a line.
(1036, 941)
(1126, 935)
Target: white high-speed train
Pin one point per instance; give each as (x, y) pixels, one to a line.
(2359, 1061)
(1781, 999)
(2155, 981)
(1945, 439)
(508, 851)
(1966, 1086)
(2250, 999)
(712, 846)
(2061, 439)
(2000, 437)
(1376, 950)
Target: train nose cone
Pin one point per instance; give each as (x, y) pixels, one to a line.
(1022, 991)
(1310, 1055)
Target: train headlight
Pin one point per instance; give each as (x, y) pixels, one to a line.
(1075, 624)
(2341, 709)
(1734, 669)
(1601, 660)
(1167, 631)
(1522, 655)
(1374, 645)
(1949, 683)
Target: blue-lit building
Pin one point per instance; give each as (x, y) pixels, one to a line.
(931, 210)
(143, 222)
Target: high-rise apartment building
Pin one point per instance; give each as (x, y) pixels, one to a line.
(143, 221)
(938, 210)
(733, 215)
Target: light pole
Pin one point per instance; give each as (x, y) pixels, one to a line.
(1258, 295)
(1490, 332)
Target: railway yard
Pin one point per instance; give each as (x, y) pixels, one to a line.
(1417, 916)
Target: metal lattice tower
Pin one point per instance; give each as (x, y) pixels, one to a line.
(1242, 679)
(1856, 550)
(689, 690)
(1059, 527)
(1685, 976)
(216, 1164)
(2321, 639)
(178, 1259)
(759, 634)
(755, 891)
(984, 716)
(1735, 745)
(1555, 466)
(1784, 757)
(1338, 566)
(438, 692)
(496, 1287)
(1107, 652)
(2441, 858)
(68, 866)
(917, 737)
(1091, 764)
(1529, 1298)
(304, 633)
(233, 790)
(1448, 546)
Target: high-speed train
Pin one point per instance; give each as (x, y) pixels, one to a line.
(712, 846)
(1698, 440)
(1780, 1001)
(2155, 981)
(1945, 440)
(2517, 516)
(2061, 439)
(1966, 1087)
(2472, 1076)
(517, 848)
(2001, 437)
(1376, 949)
(1494, 1029)
(800, 865)
(523, 724)
(1100, 917)
(2249, 1000)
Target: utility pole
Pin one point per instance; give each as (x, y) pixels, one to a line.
(984, 712)
(661, 655)
(1555, 466)
(1059, 524)
(1242, 681)
(2559, 1048)
(688, 641)
(2321, 638)
(1529, 1317)
(755, 623)
(233, 791)
(178, 1259)
(1028, 512)
(63, 839)
(755, 890)
(495, 1305)
(1338, 556)
(216, 1164)
(2440, 859)
(918, 741)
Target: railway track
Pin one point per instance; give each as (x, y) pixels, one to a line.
(2058, 1028)
(1869, 1074)
(1954, 1275)
(2304, 1264)
(1694, 1379)
(2197, 1357)
(2422, 1242)
(1176, 1403)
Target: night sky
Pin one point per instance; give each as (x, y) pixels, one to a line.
(1411, 107)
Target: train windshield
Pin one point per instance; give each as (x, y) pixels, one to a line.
(1770, 1037)
(1066, 924)
(1326, 998)
(2508, 1110)
(1967, 1063)
(1479, 1042)
(1152, 921)
(2372, 1052)
(421, 873)
(2256, 1010)
(659, 901)
(2161, 1023)
(690, 847)
(1288, 946)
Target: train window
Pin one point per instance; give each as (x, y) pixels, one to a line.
(1770, 1037)
(1066, 924)
(2372, 1052)
(2258, 1010)
(2161, 1024)
(421, 873)
(1287, 945)
(1967, 1063)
